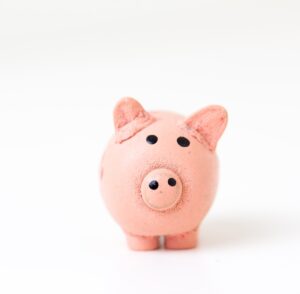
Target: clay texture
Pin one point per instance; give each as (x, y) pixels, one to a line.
(159, 173)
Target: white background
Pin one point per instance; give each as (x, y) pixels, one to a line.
(63, 66)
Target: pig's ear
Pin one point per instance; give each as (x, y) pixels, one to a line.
(208, 124)
(130, 117)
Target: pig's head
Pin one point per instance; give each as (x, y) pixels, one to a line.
(161, 164)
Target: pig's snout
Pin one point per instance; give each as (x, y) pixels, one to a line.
(161, 189)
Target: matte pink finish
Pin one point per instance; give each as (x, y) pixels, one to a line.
(165, 196)
(130, 163)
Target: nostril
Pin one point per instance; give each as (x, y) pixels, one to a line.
(172, 182)
(153, 185)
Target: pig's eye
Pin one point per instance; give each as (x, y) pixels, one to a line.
(151, 139)
(183, 142)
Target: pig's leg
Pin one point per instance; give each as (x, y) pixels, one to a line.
(142, 242)
(186, 240)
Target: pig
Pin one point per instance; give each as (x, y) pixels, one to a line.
(159, 173)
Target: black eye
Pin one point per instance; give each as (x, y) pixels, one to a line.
(151, 139)
(183, 142)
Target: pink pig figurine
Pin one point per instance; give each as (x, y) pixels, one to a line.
(159, 173)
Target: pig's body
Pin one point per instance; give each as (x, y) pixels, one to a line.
(162, 188)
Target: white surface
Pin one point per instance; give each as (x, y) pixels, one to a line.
(64, 64)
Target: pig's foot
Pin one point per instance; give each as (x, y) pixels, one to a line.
(186, 240)
(142, 243)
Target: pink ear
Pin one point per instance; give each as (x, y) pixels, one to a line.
(210, 123)
(129, 118)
